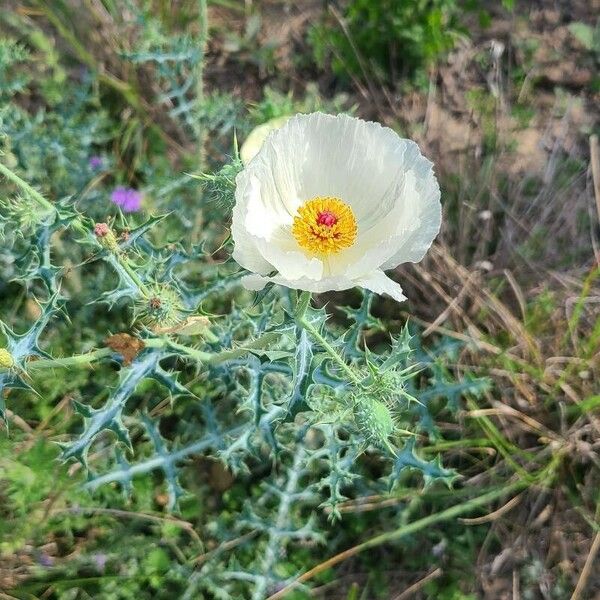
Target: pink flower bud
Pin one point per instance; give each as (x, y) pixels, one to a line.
(101, 230)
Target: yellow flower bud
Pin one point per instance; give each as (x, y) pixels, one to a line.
(257, 137)
(6, 359)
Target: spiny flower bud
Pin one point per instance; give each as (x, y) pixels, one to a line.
(163, 307)
(374, 419)
(28, 215)
(106, 237)
(6, 359)
(390, 388)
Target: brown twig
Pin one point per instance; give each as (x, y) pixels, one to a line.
(229, 545)
(453, 304)
(495, 514)
(415, 587)
(587, 568)
(516, 585)
(19, 422)
(595, 164)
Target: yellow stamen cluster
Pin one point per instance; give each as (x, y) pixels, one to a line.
(324, 225)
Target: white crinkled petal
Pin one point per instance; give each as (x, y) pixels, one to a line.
(407, 231)
(257, 282)
(344, 157)
(245, 251)
(377, 282)
(287, 259)
(412, 242)
(380, 283)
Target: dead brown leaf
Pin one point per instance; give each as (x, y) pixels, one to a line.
(126, 345)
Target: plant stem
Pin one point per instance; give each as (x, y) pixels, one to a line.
(31, 192)
(304, 303)
(94, 355)
(330, 350)
(202, 41)
(69, 361)
(197, 355)
(187, 351)
(124, 262)
(460, 444)
(214, 358)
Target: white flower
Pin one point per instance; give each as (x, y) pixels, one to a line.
(329, 203)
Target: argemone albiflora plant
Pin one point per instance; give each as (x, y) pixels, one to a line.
(330, 202)
(326, 203)
(111, 295)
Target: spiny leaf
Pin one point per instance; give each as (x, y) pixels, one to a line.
(109, 417)
(303, 370)
(432, 470)
(361, 320)
(164, 459)
(175, 491)
(22, 347)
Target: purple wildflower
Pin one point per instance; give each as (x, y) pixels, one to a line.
(45, 560)
(128, 199)
(100, 560)
(95, 163)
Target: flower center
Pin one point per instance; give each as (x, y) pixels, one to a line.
(327, 218)
(324, 225)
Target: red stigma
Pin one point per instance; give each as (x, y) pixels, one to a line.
(327, 218)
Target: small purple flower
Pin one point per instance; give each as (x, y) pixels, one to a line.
(45, 560)
(95, 163)
(100, 560)
(128, 199)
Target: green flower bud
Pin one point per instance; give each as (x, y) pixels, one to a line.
(163, 308)
(29, 215)
(374, 419)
